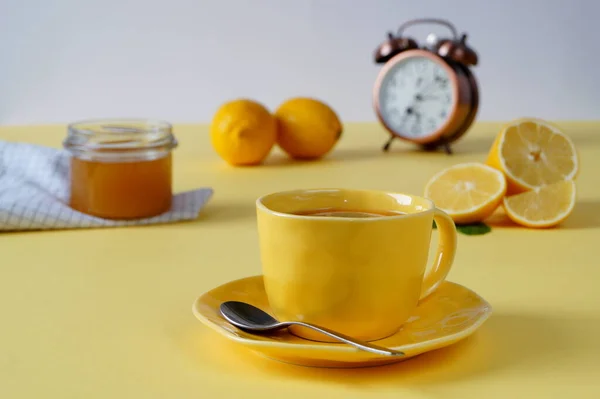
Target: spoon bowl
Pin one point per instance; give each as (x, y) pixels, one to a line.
(248, 317)
(252, 319)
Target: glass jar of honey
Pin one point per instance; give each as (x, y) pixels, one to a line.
(121, 169)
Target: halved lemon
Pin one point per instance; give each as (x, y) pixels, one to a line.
(532, 153)
(467, 192)
(541, 207)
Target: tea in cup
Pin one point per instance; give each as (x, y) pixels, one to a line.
(354, 261)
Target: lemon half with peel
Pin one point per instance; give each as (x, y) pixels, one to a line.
(542, 207)
(467, 192)
(533, 153)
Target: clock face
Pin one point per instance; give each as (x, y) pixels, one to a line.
(416, 97)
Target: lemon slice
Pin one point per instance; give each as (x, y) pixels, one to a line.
(545, 206)
(467, 192)
(533, 153)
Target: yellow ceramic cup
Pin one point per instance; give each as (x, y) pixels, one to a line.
(360, 276)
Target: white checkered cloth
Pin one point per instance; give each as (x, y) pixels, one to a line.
(35, 186)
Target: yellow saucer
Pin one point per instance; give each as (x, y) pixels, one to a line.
(452, 313)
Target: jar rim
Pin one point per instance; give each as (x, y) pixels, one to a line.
(119, 135)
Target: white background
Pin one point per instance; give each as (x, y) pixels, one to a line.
(62, 60)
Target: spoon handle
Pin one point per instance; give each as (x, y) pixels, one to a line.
(365, 346)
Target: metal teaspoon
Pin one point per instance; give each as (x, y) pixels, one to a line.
(251, 318)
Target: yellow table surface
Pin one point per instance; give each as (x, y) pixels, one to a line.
(106, 313)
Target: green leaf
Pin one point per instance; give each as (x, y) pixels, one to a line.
(474, 229)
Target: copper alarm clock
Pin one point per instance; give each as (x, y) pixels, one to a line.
(426, 94)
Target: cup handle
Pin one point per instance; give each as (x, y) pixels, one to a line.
(445, 253)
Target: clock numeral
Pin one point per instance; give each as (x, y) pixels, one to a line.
(442, 82)
(447, 98)
(443, 114)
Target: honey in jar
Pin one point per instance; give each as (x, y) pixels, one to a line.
(121, 169)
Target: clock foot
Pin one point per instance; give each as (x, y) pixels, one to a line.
(435, 146)
(387, 145)
(447, 148)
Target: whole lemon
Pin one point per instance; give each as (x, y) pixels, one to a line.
(243, 132)
(308, 128)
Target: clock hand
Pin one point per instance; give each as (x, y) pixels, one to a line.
(408, 112)
(436, 81)
(413, 109)
(428, 86)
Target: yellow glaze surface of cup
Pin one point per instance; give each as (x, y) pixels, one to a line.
(360, 276)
